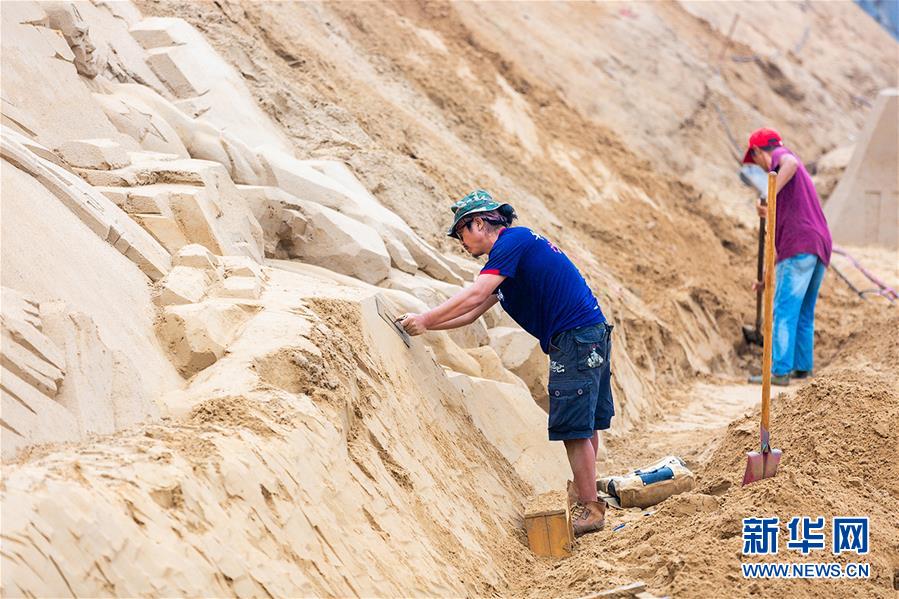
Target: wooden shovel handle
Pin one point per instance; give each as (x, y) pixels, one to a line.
(770, 223)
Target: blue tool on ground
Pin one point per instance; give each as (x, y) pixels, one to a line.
(646, 486)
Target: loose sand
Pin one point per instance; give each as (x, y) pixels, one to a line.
(321, 457)
(839, 433)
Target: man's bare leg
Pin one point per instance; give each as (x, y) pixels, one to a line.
(595, 442)
(582, 458)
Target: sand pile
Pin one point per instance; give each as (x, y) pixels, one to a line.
(428, 100)
(846, 320)
(452, 143)
(839, 438)
(238, 424)
(200, 211)
(292, 479)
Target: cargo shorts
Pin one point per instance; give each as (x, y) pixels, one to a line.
(580, 389)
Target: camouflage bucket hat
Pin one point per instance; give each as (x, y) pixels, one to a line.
(477, 201)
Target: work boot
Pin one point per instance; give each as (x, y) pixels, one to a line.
(588, 517)
(781, 380)
(801, 374)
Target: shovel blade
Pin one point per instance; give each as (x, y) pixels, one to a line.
(752, 335)
(755, 176)
(772, 460)
(761, 465)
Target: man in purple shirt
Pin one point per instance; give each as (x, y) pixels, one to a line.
(803, 245)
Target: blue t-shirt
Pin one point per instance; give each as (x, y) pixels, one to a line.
(544, 291)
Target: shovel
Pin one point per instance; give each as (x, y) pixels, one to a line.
(753, 335)
(763, 464)
(755, 177)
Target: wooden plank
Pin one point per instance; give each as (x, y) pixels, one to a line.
(559, 536)
(538, 535)
(550, 536)
(558, 512)
(548, 524)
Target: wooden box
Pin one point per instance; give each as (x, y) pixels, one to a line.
(547, 521)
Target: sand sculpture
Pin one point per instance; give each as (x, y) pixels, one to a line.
(864, 207)
(199, 395)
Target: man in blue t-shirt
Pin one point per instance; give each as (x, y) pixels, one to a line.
(545, 293)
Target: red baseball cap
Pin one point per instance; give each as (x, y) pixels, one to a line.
(759, 139)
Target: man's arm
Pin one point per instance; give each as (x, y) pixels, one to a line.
(788, 167)
(463, 301)
(467, 318)
(460, 304)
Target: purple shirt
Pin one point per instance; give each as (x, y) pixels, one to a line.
(801, 226)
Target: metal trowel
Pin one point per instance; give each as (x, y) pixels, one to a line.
(388, 316)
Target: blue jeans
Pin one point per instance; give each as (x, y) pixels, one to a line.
(798, 280)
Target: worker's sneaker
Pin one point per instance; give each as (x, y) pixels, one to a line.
(801, 374)
(776, 379)
(588, 517)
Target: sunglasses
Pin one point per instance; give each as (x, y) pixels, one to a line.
(463, 224)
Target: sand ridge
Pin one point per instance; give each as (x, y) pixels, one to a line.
(288, 442)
